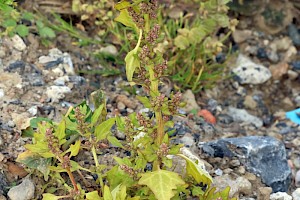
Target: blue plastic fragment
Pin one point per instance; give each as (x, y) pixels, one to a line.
(294, 115)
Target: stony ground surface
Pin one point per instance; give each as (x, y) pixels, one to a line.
(251, 146)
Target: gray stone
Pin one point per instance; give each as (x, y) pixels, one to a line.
(18, 43)
(241, 115)
(294, 34)
(248, 72)
(263, 156)
(296, 194)
(24, 191)
(3, 183)
(280, 196)
(1, 93)
(187, 140)
(111, 49)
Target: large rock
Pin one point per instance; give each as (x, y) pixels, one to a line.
(263, 156)
(24, 191)
(249, 72)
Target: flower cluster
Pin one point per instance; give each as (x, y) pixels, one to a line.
(80, 117)
(150, 8)
(53, 143)
(153, 34)
(163, 150)
(160, 69)
(158, 101)
(143, 121)
(174, 103)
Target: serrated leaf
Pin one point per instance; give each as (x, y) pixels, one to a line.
(107, 193)
(193, 169)
(22, 30)
(119, 192)
(92, 196)
(103, 129)
(181, 42)
(35, 121)
(132, 60)
(123, 161)
(74, 148)
(114, 141)
(116, 176)
(145, 101)
(60, 132)
(48, 196)
(41, 148)
(162, 183)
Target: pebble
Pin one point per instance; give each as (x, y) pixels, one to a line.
(292, 74)
(218, 172)
(187, 140)
(264, 193)
(35, 79)
(297, 101)
(249, 102)
(121, 105)
(294, 34)
(111, 49)
(249, 72)
(240, 36)
(278, 70)
(55, 93)
(190, 100)
(296, 194)
(241, 115)
(18, 43)
(238, 186)
(281, 44)
(297, 178)
(1, 93)
(33, 110)
(280, 196)
(24, 191)
(261, 53)
(224, 119)
(129, 103)
(2, 52)
(273, 56)
(296, 65)
(3, 183)
(61, 81)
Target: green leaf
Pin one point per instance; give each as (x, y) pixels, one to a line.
(193, 169)
(22, 30)
(123, 161)
(46, 32)
(60, 132)
(41, 148)
(114, 141)
(35, 121)
(97, 114)
(35, 161)
(27, 16)
(48, 196)
(119, 193)
(74, 148)
(145, 101)
(181, 42)
(167, 162)
(107, 193)
(116, 176)
(103, 129)
(9, 23)
(132, 60)
(92, 196)
(124, 16)
(162, 183)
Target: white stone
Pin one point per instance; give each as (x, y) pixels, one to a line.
(296, 194)
(1, 93)
(111, 49)
(250, 72)
(18, 43)
(280, 196)
(241, 115)
(24, 191)
(33, 110)
(55, 93)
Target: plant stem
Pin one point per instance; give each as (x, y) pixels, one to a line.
(97, 164)
(72, 178)
(158, 114)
